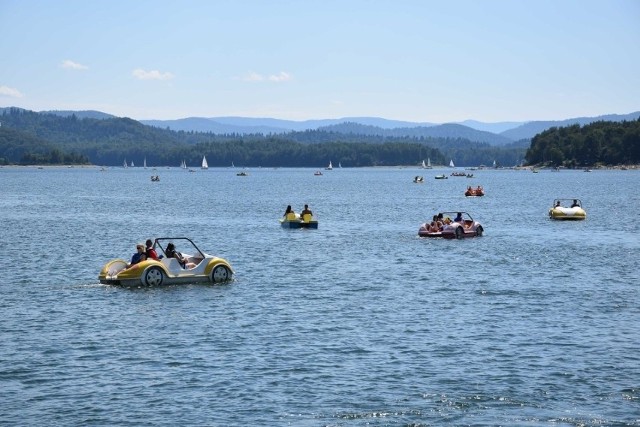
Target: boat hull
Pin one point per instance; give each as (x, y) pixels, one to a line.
(567, 214)
(299, 224)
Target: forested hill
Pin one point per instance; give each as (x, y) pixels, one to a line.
(26, 135)
(447, 131)
(530, 129)
(606, 143)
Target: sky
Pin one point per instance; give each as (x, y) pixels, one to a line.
(416, 60)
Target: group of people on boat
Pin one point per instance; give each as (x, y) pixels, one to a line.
(305, 211)
(146, 251)
(439, 221)
(155, 178)
(575, 204)
(478, 191)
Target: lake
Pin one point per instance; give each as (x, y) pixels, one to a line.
(358, 323)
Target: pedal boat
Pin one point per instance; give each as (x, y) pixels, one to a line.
(168, 271)
(293, 220)
(453, 229)
(574, 213)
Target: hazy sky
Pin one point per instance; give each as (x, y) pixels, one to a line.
(415, 60)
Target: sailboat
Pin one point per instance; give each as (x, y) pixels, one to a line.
(494, 164)
(428, 163)
(424, 166)
(145, 163)
(451, 165)
(330, 167)
(340, 165)
(124, 165)
(205, 165)
(183, 165)
(132, 165)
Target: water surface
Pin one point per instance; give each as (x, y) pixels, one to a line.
(357, 323)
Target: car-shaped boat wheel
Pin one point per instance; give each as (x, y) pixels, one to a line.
(198, 267)
(452, 225)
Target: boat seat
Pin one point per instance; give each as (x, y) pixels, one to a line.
(172, 264)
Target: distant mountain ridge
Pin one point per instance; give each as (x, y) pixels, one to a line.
(447, 130)
(502, 132)
(233, 124)
(498, 133)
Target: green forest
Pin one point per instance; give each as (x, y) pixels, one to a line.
(30, 138)
(599, 143)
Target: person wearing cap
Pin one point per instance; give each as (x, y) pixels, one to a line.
(139, 256)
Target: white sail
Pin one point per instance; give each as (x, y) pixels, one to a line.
(183, 165)
(339, 164)
(451, 165)
(125, 163)
(428, 162)
(132, 165)
(424, 166)
(205, 165)
(330, 167)
(494, 163)
(145, 163)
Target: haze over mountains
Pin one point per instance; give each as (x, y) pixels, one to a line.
(498, 133)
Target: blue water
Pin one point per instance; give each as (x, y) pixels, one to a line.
(358, 323)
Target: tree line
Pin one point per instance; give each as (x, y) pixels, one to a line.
(598, 143)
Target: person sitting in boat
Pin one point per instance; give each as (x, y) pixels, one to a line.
(288, 211)
(290, 214)
(138, 257)
(575, 203)
(306, 211)
(458, 217)
(435, 226)
(442, 220)
(557, 204)
(173, 253)
(149, 251)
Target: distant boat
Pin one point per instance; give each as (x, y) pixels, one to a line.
(145, 163)
(451, 165)
(183, 165)
(232, 165)
(494, 164)
(340, 165)
(124, 165)
(424, 165)
(205, 165)
(132, 165)
(330, 167)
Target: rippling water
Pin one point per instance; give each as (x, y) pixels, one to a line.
(357, 323)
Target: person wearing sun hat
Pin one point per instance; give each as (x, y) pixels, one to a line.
(139, 256)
